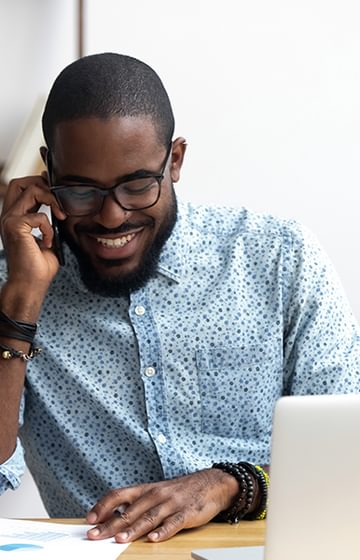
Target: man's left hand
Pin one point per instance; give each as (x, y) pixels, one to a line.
(161, 509)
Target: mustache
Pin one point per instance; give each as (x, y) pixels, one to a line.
(98, 229)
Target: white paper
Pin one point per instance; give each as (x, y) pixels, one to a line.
(40, 539)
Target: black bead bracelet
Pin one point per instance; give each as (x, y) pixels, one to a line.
(245, 498)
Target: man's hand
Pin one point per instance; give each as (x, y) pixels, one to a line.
(161, 509)
(32, 264)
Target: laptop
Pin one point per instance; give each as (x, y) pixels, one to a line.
(314, 495)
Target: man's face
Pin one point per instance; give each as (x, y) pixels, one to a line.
(117, 249)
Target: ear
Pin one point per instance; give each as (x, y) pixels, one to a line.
(43, 152)
(177, 158)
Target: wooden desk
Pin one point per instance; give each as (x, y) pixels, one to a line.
(246, 533)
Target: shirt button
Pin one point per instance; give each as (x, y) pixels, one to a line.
(139, 310)
(161, 438)
(150, 371)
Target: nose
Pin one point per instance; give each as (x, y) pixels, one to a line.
(111, 215)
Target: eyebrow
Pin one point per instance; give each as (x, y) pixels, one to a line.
(88, 180)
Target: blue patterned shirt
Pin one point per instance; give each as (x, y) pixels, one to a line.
(185, 372)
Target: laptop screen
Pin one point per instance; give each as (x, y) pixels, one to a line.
(314, 496)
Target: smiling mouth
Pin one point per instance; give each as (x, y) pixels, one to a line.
(117, 242)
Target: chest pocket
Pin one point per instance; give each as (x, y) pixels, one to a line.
(238, 389)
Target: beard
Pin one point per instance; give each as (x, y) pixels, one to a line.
(121, 285)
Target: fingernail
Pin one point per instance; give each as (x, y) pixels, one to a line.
(123, 536)
(94, 532)
(91, 517)
(153, 536)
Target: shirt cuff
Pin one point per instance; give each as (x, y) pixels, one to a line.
(12, 470)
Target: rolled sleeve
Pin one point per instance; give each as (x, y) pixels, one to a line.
(12, 470)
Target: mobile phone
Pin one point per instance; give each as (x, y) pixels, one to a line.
(57, 243)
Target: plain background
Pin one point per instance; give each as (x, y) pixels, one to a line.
(267, 94)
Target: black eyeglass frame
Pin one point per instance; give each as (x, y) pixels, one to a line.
(106, 191)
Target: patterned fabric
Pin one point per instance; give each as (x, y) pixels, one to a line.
(186, 371)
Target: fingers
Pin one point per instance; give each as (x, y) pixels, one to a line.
(158, 510)
(131, 525)
(172, 525)
(29, 257)
(17, 187)
(20, 214)
(143, 508)
(115, 500)
(27, 194)
(154, 525)
(14, 228)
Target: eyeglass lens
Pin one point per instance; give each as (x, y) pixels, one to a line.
(81, 200)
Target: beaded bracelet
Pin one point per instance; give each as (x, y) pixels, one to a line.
(9, 353)
(244, 500)
(263, 482)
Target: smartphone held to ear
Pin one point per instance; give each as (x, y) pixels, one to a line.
(57, 243)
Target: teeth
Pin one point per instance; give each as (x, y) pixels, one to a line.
(118, 242)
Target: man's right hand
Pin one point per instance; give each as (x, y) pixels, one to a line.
(32, 264)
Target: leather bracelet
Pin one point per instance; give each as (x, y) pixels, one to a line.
(18, 330)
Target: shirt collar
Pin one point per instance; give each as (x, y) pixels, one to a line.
(172, 259)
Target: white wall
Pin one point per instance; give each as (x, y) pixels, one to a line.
(267, 94)
(37, 39)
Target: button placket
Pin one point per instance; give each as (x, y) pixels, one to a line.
(149, 347)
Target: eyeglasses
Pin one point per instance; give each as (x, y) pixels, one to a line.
(135, 192)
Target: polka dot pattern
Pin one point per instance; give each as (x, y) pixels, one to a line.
(186, 371)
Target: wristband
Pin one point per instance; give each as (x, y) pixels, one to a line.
(18, 330)
(263, 482)
(245, 498)
(8, 353)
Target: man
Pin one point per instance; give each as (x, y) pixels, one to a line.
(168, 334)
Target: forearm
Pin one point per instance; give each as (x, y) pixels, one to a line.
(12, 374)
(18, 304)
(21, 301)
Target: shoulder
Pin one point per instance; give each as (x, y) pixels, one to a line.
(224, 221)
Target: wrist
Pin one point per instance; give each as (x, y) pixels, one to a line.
(19, 303)
(229, 488)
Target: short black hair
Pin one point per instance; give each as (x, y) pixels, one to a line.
(104, 85)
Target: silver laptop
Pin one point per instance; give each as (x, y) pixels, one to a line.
(314, 498)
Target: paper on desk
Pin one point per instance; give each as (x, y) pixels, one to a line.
(39, 539)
